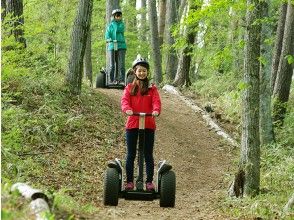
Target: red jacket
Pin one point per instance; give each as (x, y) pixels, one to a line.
(138, 103)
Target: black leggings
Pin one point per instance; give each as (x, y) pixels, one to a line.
(132, 138)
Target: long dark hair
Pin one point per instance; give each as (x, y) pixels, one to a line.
(143, 84)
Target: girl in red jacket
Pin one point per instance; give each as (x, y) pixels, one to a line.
(139, 96)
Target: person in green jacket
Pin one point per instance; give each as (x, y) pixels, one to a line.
(115, 33)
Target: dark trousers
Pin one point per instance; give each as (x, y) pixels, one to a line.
(120, 59)
(132, 139)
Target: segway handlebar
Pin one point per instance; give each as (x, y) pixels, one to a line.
(142, 114)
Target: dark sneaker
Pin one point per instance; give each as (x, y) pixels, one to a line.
(150, 186)
(129, 186)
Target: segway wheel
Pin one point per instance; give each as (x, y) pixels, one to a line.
(168, 189)
(111, 187)
(100, 80)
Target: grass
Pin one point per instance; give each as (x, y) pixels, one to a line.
(57, 143)
(277, 163)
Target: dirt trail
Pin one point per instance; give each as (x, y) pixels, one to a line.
(199, 157)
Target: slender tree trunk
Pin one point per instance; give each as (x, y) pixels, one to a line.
(143, 25)
(3, 10)
(250, 149)
(278, 44)
(285, 70)
(266, 124)
(15, 8)
(155, 41)
(183, 5)
(182, 76)
(161, 20)
(78, 45)
(88, 59)
(171, 57)
(111, 5)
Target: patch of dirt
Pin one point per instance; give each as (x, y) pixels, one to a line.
(200, 158)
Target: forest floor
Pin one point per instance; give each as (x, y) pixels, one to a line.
(201, 159)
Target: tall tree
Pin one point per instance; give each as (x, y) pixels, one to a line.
(182, 77)
(15, 9)
(161, 20)
(142, 21)
(111, 5)
(266, 125)
(88, 59)
(3, 10)
(250, 147)
(285, 69)
(155, 41)
(278, 43)
(171, 56)
(78, 45)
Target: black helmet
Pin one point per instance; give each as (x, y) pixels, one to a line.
(116, 11)
(140, 60)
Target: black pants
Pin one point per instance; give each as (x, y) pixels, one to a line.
(132, 138)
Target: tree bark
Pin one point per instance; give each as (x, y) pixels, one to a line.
(15, 8)
(171, 57)
(266, 124)
(285, 70)
(78, 44)
(155, 41)
(161, 20)
(88, 59)
(278, 44)
(182, 9)
(182, 76)
(3, 10)
(143, 26)
(250, 147)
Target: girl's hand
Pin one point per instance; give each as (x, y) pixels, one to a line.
(155, 113)
(129, 112)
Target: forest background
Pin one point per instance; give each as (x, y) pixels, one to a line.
(38, 110)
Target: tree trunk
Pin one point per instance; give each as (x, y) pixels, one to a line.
(285, 69)
(110, 6)
(278, 44)
(15, 8)
(266, 124)
(250, 149)
(88, 59)
(143, 26)
(3, 10)
(78, 44)
(171, 57)
(182, 9)
(182, 76)
(155, 41)
(161, 20)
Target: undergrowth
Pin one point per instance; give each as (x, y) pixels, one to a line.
(54, 141)
(277, 160)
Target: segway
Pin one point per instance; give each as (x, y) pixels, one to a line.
(165, 189)
(103, 77)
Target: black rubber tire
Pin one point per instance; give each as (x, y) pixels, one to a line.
(168, 189)
(100, 80)
(111, 187)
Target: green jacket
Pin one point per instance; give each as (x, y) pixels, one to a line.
(115, 31)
